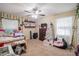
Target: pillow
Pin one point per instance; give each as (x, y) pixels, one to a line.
(18, 34)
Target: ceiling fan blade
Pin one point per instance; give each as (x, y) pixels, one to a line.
(28, 15)
(35, 9)
(27, 11)
(39, 10)
(42, 14)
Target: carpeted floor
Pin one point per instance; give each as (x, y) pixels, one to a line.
(36, 48)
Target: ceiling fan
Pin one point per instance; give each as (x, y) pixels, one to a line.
(34, 11)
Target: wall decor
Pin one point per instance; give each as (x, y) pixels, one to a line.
(9, 24)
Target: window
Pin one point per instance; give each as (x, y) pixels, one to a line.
(64, 26)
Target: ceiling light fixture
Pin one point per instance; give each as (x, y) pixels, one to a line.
(35, 16)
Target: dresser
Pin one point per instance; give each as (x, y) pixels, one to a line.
(42, 31)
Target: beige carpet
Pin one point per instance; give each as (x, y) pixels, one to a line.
(36, 48)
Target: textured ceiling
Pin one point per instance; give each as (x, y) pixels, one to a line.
(47, 8)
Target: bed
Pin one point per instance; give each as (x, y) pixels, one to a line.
(10, 38)
(14, 42)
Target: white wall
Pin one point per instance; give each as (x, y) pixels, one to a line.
(48, 20)
(26, 31)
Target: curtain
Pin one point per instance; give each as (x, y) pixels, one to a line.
(75, 28)
(64, 28)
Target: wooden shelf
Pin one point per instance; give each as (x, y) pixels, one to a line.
(29, 21)
(30, 26)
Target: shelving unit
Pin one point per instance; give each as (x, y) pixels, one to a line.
(29, 24)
